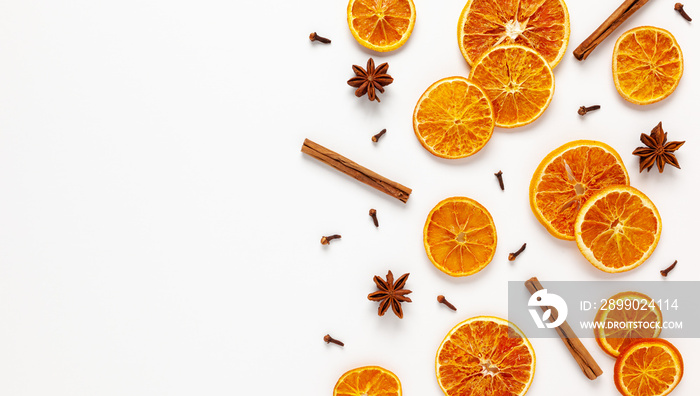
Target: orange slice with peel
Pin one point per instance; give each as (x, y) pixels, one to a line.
(647, 64)
(627, 316)
(453, 118)
(368, 381)
(617, 228)
(648, 367)
(381, 25)
(567, 177)
(517, 80)
(459, 236)
(542, 25)
(485, 356)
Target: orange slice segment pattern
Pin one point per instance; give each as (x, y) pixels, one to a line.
(540, 25)
(635, 308)
(647, 64)
(567, 177)
(459, 236)
(381, 25)
(485, 356)
(617, 229)
(368, 381)
(453, 118)
(648, 367)
(517, 80)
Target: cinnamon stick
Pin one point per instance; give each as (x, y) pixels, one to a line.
(620, 15)
(584, 359)
(354, 170)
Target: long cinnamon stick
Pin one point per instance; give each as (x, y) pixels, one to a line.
(584, 359)
(620, 15)
(359, 172)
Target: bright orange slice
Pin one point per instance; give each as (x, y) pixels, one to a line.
(567, 177)
(627, 316)
(542, 25)
(453, 118)
(518, 81)
(647, 64)
(459, 236)
(368, 381)
(485, 356)
(381, 25)
(617, 228)
(648, 367)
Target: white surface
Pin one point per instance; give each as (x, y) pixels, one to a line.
(159, 227)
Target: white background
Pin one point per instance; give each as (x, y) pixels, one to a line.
(159, 227)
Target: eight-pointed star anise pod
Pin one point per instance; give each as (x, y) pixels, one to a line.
(390, 293)
(371, 80)
(658, 150)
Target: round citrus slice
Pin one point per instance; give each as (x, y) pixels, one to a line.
(517, 80)
(648, 367)
(627, 316)
(485, 356)
(453, 118)
(381, 25)
(617, 228)
(459, 236)
(368, 381)
(567, 177)
(647, 64)
(542, 25)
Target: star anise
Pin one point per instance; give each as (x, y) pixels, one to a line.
(658, 150)
(390, 294)
(371, 80)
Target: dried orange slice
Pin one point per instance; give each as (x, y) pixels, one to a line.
(459, 236)
(485, 356)
(517, 80)
(567, 177)
(617, 228)
(542, 25)
(453, 118)
(368, 381)
(648, 367)
(647, 64)
(628, 316)
(381, 25)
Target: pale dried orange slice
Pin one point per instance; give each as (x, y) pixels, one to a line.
(381, 25)
(648, 367)
(485, 356)
(617, 228)
(626, 317)
(368, 381)
(542, 25)
(517, 80)
(647, 64)
(453, 118)
(459, 236)
(567, 177)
